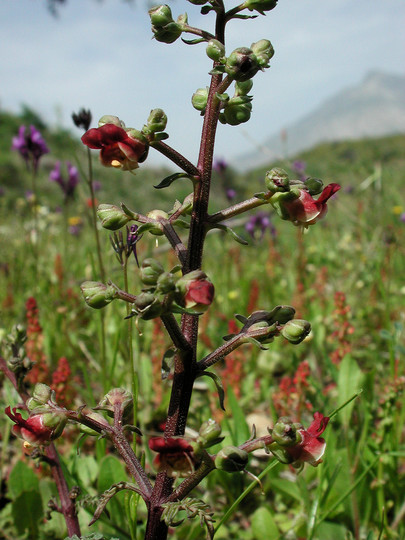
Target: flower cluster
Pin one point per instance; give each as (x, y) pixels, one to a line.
(68, 186)
(30, 144)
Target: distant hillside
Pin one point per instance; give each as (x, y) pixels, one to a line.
(374, 108)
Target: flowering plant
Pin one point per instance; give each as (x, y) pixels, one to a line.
(178, 297)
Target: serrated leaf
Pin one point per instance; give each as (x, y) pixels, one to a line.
(166, 182)
(22, 478)
(218, 384)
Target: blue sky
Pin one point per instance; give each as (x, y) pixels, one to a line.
(101, 56)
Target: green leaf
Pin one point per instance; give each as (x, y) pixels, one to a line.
(22, 478)
(192, 41)
(241, 431)
(112, 471)
(86, 469)
(27, 511)
(263, 525)
(218, 384)
(232, 233)
(166, 182)
(350, 380)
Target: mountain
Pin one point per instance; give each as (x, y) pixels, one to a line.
(373, 108)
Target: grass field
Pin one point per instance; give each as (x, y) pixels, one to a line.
(345, 276)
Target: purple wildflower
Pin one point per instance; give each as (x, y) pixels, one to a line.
(96, 185)
(230, 194)
(67, 186)
(220, 166)
(30, 145)
(132, 239)
(258, 224)
(299, 167)
(402, 217)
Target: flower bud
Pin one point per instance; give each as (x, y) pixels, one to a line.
(314, 185)
(40, 396)
(260, 5)
(114, 397)
(237, 111)
(199, 99)
(198, 2)
(242, 88)
(160, 16)
(157, 120)
(150, 271)
(242, 64)
(112, 217)
(157, 215)
(263, 50)
(148, 306)
(285, 432)
(110, 119)
(209, 433)
(277, 180)
(231, 459)
(97, 295)
(194, 291)
(296, 330)
(168, 33)
(215, 50)
(38, 429)
(166, 283)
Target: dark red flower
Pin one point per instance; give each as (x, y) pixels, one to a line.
(306, 210)
(175, 456)
(199, 295)
(120, 148)
(311, 447)
(38, 429)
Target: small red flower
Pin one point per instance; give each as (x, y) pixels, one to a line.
(175, 456)
(312, 446)
(119, 148)
(306, 210)
(33, 430)
(199, 295)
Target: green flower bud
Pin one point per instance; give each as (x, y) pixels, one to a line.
(110, 119)
(114, 397)
(242, 64)
(168, 33)
(97, 295)
(285, 432)
(260, 5)
(209, 433)
(231, 459)
(215, 50)
(199, 99)
(150, 271)
(263, 51)
(314, 185)
(157, 215)
(280, 453)
(40, 396)
(237, 111)
(296, 330)
(157, 120)
(160, 15)
(277, 180)
(148, 306)
(198, 2)
(242, 88)
(166, 283)
(112, 217)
